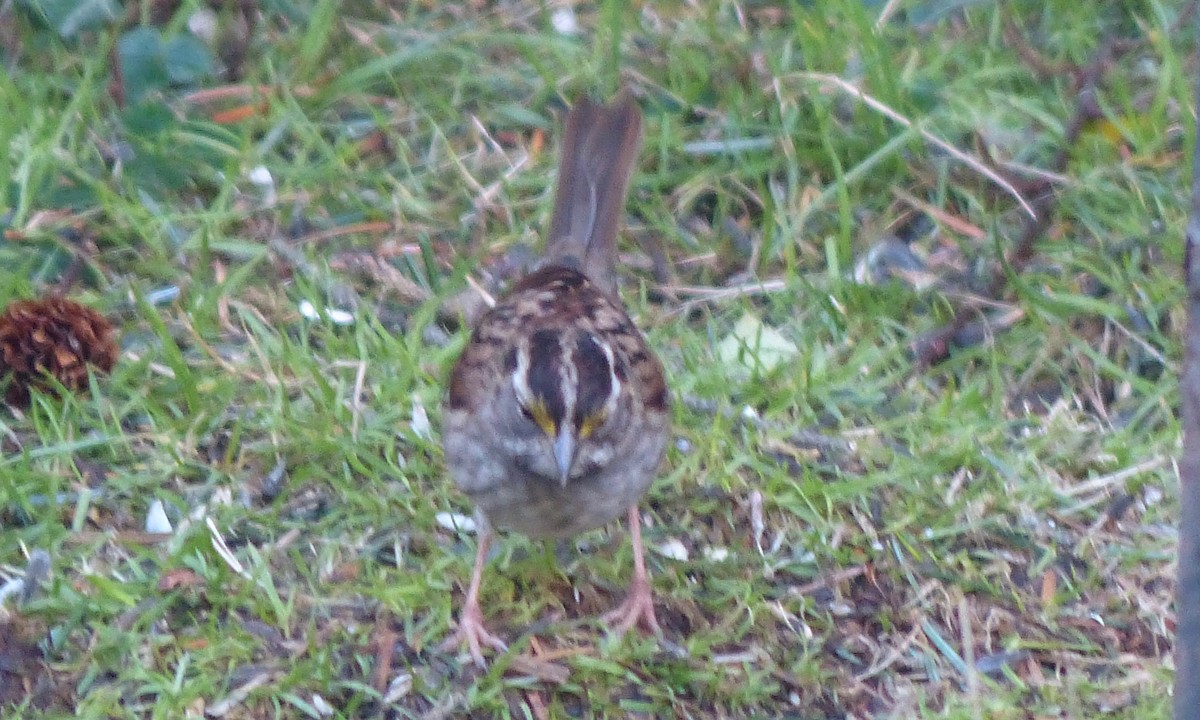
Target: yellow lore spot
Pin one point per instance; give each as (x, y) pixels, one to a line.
(541, 416)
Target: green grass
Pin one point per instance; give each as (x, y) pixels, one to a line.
(1015, 502)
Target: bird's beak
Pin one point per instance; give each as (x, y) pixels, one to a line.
(564, 451)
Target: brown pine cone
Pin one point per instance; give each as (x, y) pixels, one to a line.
(55, 337)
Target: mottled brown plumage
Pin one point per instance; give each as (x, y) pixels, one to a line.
(556, 415)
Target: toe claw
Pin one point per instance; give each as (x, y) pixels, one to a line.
(637, 609)
(472, 631)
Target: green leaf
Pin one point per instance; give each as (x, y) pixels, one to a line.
(149, 62)
(143, 62)
(173, 154)
(188, 59)
(68, 194)
(157, 171)
(69, 18)
(517, 115)
(148, 118)
(755, 345)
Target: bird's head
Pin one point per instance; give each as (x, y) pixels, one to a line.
(567, 385)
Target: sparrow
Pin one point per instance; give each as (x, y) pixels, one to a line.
(557, 412)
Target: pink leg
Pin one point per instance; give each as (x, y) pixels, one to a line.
(638, 607)
(470, 621)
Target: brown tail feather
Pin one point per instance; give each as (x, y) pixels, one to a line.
(599, 149)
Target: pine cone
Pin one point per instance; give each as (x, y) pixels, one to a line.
(56, 337)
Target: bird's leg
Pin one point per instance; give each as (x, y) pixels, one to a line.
(470, 620)
(638, 607)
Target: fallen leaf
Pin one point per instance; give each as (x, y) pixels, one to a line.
(755, 345)
(180, 578)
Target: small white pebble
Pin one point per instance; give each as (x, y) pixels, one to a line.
(564, 21)
(841, 609)
(716, 554)
(749, 413)
(339, 317)
(672, 549)
(261, 178)
(10, 588)
(455, 522)
(322, 706)
(420, 419)
(1152, 496)
(163, 295)
(400, 686)
(336, 316)
(928, 533)
(203, 24)
(156, 519)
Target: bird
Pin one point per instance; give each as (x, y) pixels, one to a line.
(557, 412)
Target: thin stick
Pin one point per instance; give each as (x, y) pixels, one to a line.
(891, 114)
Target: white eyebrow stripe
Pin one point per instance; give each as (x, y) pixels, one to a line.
(520, 376)
(614, 382)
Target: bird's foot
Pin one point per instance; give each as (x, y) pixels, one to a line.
(472, 631)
